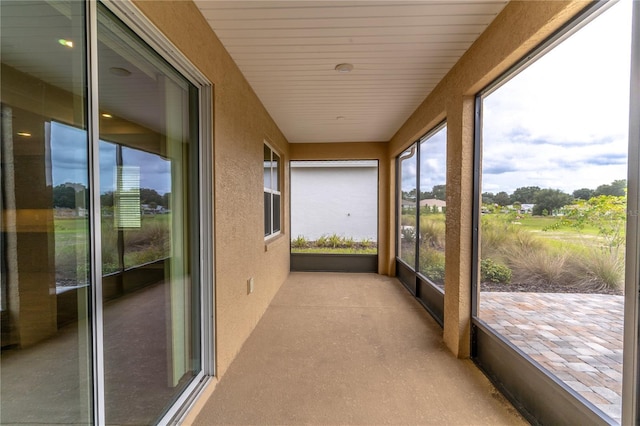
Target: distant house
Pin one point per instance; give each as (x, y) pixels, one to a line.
(433, 202)
(526, 208)
(334, 197)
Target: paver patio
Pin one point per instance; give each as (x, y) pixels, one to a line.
(577, 337)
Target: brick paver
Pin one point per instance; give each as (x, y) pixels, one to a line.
(577, 337)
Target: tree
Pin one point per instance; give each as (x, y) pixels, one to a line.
(502, 199)
(550, 200)
(617, 189)
(525, 194)
(439, 192)
(106, 199)
(165, 200)
(488, 198)
(411, 195)
(583, 194)
(607, 213)
(64, 197)
(150, 196)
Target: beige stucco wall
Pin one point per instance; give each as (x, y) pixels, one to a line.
(520, 27)
(241, 125)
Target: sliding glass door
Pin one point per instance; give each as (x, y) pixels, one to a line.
(46, 358)
(101, 302)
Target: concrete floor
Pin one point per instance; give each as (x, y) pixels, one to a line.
(351, 349)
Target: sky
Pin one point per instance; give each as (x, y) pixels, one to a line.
(561, 123)
(69, 161)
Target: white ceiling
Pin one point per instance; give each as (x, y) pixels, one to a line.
(400, 50)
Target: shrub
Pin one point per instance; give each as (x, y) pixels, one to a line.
(432, 264)
(598, 270)
(299, 242)
(366, 243)
(432, 231)
(540, 266)
(323, 241)
(494, 272)
(334, 241)
(408, 235)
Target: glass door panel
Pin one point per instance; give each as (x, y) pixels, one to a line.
(150, 298)
(45, 361)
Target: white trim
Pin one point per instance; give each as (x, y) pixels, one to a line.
(273, 191)
(93, 134)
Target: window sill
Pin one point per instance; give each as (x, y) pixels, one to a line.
(273, 240)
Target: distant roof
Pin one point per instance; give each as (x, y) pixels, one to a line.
(433, 202)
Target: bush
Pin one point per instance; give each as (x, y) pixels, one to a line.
(598, 270)
(432, 264)
(540, 266)
(299, 242)
(408, 235)
(493, 272)
(334, 241)
(323, 241)
(432, 231)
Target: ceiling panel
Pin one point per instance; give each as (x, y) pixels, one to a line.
(400, 50)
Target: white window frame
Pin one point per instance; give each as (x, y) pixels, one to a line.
(274, 171)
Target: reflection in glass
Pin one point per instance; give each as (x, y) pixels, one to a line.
(45, 363)
(407, 164)
(151, 317)
(433, 206)
(553, 220)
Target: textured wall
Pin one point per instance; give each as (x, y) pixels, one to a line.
(241, 125)
(520, 27)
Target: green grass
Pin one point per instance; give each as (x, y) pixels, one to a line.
(148, 243)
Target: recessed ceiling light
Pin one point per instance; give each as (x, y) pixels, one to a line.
(65, 42)
(105, 115)
(340, 117)
(24, 134)
(344, 68)
(121, 72)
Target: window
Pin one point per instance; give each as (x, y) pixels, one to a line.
(271, 192)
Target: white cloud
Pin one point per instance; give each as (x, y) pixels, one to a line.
(563, 121)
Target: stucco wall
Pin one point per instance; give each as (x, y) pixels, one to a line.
(241, 125)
